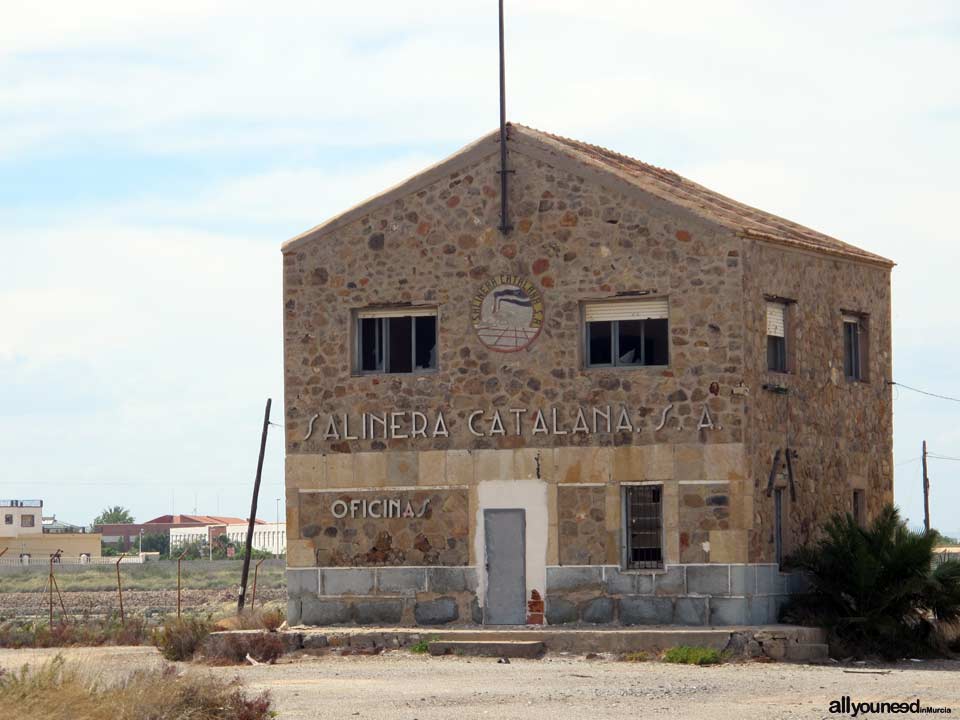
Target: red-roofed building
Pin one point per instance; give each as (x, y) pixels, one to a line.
(125, 536)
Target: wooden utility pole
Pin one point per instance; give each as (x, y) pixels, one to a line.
(253, 508)
(926, 491)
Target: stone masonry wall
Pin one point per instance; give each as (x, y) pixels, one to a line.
(425, 527)
(841, 430)
(576, 241)
(583, 531)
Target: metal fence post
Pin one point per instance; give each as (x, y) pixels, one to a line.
(123, 621)
(256, 570)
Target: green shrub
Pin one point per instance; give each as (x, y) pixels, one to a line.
(876, 589)
(637, 656)
(687, 655)
(420, 647)
(180, 638)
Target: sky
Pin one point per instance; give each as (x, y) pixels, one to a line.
(154, 156)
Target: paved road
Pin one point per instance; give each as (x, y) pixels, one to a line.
(401, 686)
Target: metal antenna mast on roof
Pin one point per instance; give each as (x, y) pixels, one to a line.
(505, 226)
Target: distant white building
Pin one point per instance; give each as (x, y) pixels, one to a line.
(268, 537)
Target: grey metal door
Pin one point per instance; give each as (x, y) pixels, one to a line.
(505, 533)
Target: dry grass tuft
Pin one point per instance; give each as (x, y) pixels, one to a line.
(253, 619)
(57, 690)
(180, 638)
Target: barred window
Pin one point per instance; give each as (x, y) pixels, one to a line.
(644, 526)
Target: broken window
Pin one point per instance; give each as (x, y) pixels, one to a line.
(777, 337)
(627, 333)
(644, 526)
(401, 341)
(854, 336)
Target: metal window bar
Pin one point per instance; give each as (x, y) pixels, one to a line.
(644, 527)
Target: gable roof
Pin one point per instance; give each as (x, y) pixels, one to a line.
(624, 172)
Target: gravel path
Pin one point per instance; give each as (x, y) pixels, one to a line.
(402, 686)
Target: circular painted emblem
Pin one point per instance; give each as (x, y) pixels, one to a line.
(507, 313)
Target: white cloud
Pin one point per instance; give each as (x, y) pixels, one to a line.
(843, 117)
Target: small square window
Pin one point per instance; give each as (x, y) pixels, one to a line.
(26, 521)
(625, 334)
(394, 342)
(8, 519)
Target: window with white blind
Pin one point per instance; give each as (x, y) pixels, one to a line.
(402, 340)
(777, 336)
(626, 333)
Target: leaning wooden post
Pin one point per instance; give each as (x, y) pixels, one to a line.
(50, 587)
(253, 509)
(179, 560)
(123, 622)
(256, 571)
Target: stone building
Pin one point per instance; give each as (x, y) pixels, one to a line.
(629, 408)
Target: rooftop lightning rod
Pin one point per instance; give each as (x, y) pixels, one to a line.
(505, 226)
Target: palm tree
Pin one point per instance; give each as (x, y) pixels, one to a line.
(114, 515)
(877, 588)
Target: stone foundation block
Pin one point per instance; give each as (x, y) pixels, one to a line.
(640, 610)
(598, 611)
(451, 579)
(743, 579)
(560, 611)
(303, 582)
(619, 583)
(436, 612)
(347, 581)
(672, 581)
(730, 611)
(401, 580)
(708, 580)
(293, 611)
(690, 611)
(645, 583)
(566, 579)
(769, 580)
(318, 611)
(378, 612)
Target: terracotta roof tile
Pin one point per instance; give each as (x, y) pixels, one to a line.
(673, 188)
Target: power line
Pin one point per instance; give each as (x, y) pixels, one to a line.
(942, 457)
(924, 392)
(907, 462)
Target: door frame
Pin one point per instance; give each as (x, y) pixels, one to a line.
(486, 557)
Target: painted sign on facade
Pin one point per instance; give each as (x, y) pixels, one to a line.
(507, 313)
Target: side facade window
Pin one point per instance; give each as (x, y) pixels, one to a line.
(777, 336)
(643, 526)
(8, 519)
(855, 347)
(626, 333)
(395, 341)
(859, 507)
(26, 520)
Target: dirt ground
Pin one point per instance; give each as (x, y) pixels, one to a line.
(400, 685)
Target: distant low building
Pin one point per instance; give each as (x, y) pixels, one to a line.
(126, 536)
(268, 537)
(25, 534)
